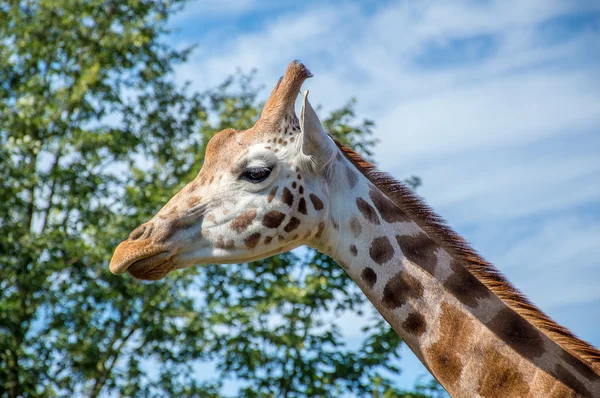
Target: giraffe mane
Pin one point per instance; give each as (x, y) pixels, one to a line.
(485, 272)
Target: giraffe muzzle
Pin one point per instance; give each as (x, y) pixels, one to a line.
(141, 255)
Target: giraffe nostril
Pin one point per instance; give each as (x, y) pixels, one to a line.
(138, 232)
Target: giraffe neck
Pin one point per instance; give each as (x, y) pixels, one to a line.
(471, 340)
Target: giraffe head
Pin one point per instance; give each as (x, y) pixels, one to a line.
(260, 192)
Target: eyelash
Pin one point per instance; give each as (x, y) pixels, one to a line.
(250, 174)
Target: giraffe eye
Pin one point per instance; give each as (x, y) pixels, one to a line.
(256, 174)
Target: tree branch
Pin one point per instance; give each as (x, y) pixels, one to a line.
(116, 352)
(52, 188)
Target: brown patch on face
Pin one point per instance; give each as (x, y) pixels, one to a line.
(501, 376)
(352, 177)
(280, 238)
(419, 250)
(273, 219)
(287, 197)
(369, 276)
(292, 225)
(299, 176)
(241, 222)
(220, 243)
(355, 227)
(307, 234)
(401, 288)
(519, 334)
(210, 218)
(294, 185)
(252, 240)
(381, 250)
(316, 201)
(268, 239)
(230, 244)
(212, 178)
(292, 139)
(272, 194)
(415, 324)
(301, 190)
(302, 206)
(353, 250)
(465, 287)
(455, 331)
(387, 209)
(367, 211)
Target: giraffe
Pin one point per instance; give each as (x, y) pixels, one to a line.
(285, 183)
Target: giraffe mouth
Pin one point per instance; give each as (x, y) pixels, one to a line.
(153, 267)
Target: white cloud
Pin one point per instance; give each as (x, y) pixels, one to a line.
(558, 255)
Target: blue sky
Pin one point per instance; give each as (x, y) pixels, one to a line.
(495, 104)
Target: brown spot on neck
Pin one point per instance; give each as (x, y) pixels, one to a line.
(381, 250)
(415, 324)
(387, 209)
(367, 211)
(401, 288)
(519, 334)
(369, 276)
(419, 250)
(465, 287)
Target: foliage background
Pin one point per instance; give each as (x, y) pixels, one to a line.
(94, 138)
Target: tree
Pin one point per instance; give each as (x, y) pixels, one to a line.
(94, 138)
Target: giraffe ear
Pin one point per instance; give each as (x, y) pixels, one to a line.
(315, 141)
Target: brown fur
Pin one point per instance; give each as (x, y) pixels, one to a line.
(243, 221)
(485, 272)
(443, 356)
